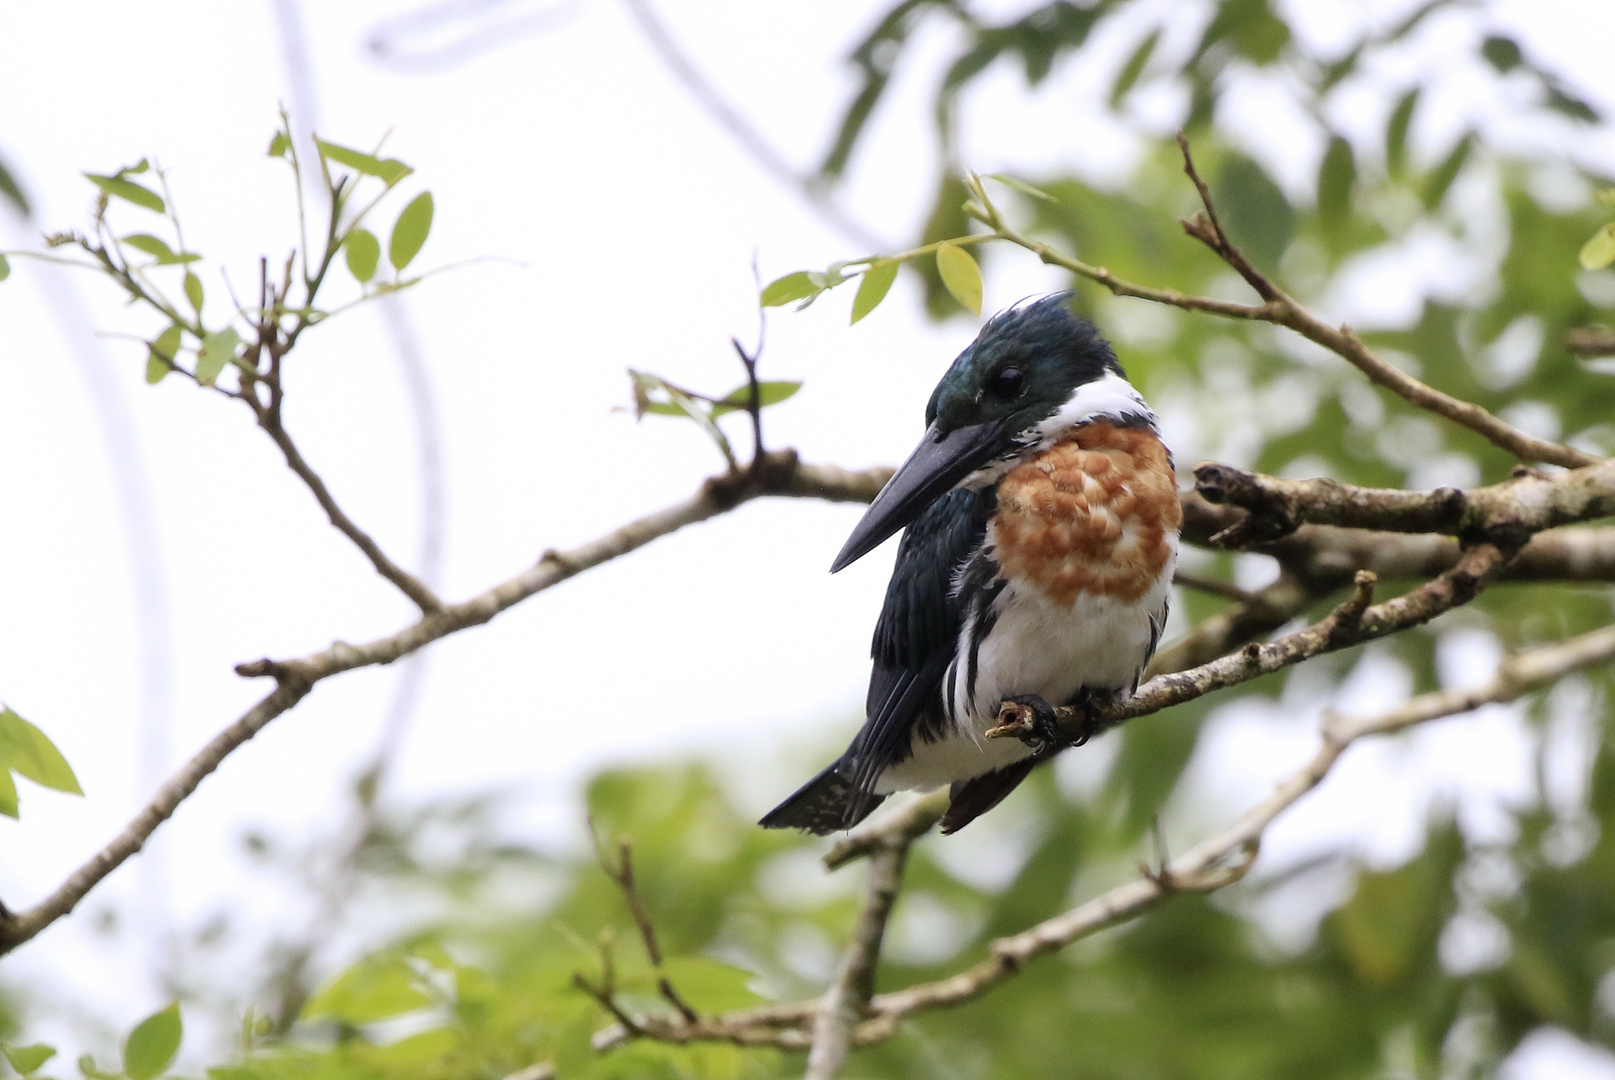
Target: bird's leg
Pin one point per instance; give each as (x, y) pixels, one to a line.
(1037, 723)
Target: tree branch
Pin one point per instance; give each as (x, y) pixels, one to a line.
(847, 1000)
(1281, 309)
(780, 474)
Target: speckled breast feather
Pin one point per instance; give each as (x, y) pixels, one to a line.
(1094, 513)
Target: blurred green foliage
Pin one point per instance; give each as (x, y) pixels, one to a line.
(482, 985)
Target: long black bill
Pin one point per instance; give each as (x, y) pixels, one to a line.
(940, 461)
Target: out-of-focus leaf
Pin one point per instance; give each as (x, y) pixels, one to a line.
(128, 190)
(873, 288)
(961, 275)
(161, 353)
(711, 985)
(1336, 177)
(1599, 252)
(27, 1059)
(363, 252)
(25, 750)
(193, 291)
(10, 806)
(12, 192)
(5, 267)
(1562, 101)
(1501, 52)
(1127, 77)
(783, 290)
(151, 1046)
(768, 393)
(375, 988)
(217, 350)
(410, 231)
(279, 144)
(1021, 186)
(574, 1050)
(388, 170)
(1257, 215)
(1442, 176)
(1396, 132)
(91, 1071)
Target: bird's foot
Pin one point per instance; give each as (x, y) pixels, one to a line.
(1090, 704)
(1030, 719)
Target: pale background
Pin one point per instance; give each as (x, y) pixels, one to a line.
(568, 148)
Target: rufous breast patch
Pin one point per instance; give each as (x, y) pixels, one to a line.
(1097, 513)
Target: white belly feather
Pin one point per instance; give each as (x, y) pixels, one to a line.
(1040, 647)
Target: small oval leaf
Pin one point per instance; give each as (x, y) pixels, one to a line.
(363, 252)
(409, 232)
(961, 275)
(1599, 252)
(1337, 175)
(217, 350)
(27, 1059)
(26, 750)
(1396, 132)
(873, 288)
(151, 245)
(128, 190)
(151, 1046)
(781, 291)
(193, 291)
(388, 170)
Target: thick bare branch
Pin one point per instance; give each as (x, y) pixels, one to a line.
(1591, 341)
(1529, 503)
(779, 474)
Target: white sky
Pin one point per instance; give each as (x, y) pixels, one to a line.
(636, 221)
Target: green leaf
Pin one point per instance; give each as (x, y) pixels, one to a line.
(1560, 101)
(9, 804)
(151, 245)
(1128, 76)
(161, 354)
(128, 190)
(1442, 176)
(961, 275)
(279, 144)
(1021, 186)
(1502, 53)
(1396, 132)
(27, 1059)
(389, 170)
(151, 1046)
(768, 393)
(717, 986)
(5, 268)
(25, 750)
(88, 1067)
(1606, 196)
(409, 232)
(873, 288)
(781, 291)
(373, 989)
(217, 350)
(645, 384)
(1336, 176)
(1599, 252)
(193, 291)
(363, 252)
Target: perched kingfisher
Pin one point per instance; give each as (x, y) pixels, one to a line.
(1040, 516)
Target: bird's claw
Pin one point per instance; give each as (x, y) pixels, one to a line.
(1030, 719)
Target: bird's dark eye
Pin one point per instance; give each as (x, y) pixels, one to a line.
(1006, 384)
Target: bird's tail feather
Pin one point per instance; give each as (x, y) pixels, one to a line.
(830, 802)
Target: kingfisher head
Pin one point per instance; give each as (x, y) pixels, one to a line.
(1035, 372)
